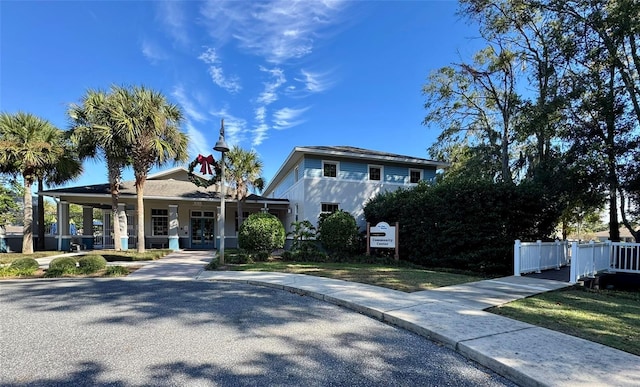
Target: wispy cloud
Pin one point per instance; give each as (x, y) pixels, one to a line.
(197, 141)
(172, 15)
(189, 108)
(277, 30)
(229, 83)
(235, 128)
(269, 95)
(286, 118)
(152, 52)
(315, 82)
(259, 134)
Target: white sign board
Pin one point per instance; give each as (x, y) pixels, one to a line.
(382, 236)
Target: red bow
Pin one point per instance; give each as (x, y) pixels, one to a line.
(206, 162)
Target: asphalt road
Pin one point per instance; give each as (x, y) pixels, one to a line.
(87, 332)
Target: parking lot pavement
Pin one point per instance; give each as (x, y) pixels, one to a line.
(120, 332)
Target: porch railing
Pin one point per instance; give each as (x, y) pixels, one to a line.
(586, 260)
(530, 257)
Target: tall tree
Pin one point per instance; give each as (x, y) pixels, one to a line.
(151, 127)
(476, 104)
(97, 136)
(244, 172)
(606, 90)
(28, 144)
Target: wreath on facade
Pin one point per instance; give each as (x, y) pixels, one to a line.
(208, 166)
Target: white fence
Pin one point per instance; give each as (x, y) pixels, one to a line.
(530, 257)
(586, 260)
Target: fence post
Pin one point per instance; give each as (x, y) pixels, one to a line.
(516, 258)
(573, 274)
(539, 245)
(557, 255)
(593, 258)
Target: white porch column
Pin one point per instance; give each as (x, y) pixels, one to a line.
(124, 228)
(174, 227)
(64, 239)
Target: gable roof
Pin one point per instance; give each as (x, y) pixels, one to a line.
(348, 152)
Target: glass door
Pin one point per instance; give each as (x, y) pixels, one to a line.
(203, 230)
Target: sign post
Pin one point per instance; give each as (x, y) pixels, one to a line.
(383, 236)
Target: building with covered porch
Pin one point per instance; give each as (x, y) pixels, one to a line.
(178, 214)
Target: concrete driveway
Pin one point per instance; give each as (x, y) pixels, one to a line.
(152, 332)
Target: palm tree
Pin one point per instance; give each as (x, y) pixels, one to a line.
(243, 171)
(67, 167)
(96, 135)
(28, 145)
(150, 125)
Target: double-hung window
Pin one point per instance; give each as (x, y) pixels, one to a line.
(330, 207)
(159, 222)
(415, 175)
(375, 173)
(329, 169)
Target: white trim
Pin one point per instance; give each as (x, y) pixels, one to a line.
(369, 166)
(337, 164)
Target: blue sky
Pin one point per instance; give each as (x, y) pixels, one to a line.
(281, 74)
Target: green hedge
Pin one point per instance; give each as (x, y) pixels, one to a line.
(466, 225)
(338, 233)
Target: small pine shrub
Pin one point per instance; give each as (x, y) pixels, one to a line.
(261, 256)
(287, 256)
(212, 265)
(66, 264)
(261, 232)
(116, 271)
(89, 264)
(25, 264)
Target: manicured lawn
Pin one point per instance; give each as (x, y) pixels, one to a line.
(608, 317)
(404, 278)
(10, 257)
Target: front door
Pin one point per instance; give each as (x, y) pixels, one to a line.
(202, 230)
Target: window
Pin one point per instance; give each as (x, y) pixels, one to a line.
(159, 222)
(374, 173)
(330, 207)
(296, 174)
(415, 175)
(329, 169)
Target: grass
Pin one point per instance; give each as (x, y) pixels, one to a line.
(399, 277)
(6, 258)
(607, 317)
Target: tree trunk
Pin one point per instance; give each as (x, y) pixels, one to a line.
(140, 213)
(114, 186)
(115, 222)
(40, 223)
(27, 231)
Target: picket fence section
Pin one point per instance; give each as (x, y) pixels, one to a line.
(586, 260)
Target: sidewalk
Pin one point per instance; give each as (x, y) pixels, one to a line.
(454, 316)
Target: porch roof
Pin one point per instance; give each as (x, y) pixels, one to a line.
(168, 189)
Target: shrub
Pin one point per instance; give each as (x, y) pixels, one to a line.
(212, 265)
(261, 256)
(64, 264)
(302, 232)
(240, 257)
(91, 263)
(57, 272)
(339, 232)
(25, 264)
(261, 232)
(116, 271)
